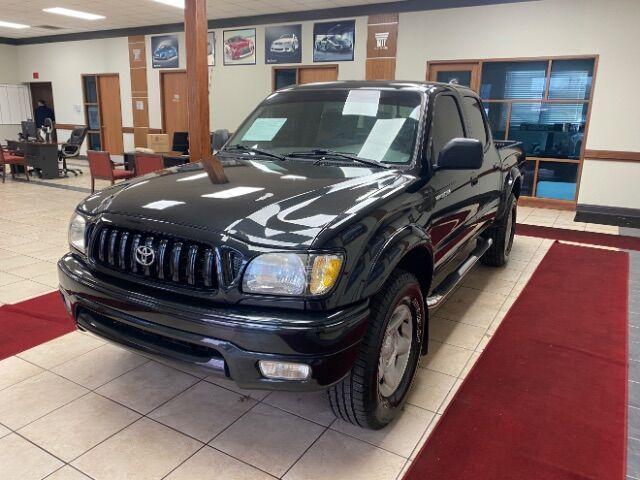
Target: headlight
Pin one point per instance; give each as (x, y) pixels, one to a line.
(77, 229)
(292, 274)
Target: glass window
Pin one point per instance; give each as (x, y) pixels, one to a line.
(557, 180)
(505, 80)
(528, 171)
(285, 77)
(90, 90)
(93, 117)
(460, 77)
(476, 120)
(94, 141)
(497, 117)
(549, 129)
(377, 124)
(446, 124)
(571, 79)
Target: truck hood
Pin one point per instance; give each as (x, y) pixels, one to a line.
(282, 204)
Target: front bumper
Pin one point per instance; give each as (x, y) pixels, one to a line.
(229, 340)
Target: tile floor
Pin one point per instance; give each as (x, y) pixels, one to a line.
(63, 418)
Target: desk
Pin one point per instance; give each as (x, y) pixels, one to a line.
(41, 156)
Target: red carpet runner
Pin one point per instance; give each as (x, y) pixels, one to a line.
(547, 398)
(32, 322)
(594, 238)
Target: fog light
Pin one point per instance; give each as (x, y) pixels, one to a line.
(284, 370)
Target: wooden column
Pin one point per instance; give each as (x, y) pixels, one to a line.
(195, 28)
(139, 91)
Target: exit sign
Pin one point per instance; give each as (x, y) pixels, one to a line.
(36, 75)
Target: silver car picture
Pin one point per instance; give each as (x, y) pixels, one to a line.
(287, 43)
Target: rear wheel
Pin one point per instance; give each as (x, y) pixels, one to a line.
(502, 236)
(377, 386)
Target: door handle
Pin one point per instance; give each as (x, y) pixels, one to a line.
(474, 179)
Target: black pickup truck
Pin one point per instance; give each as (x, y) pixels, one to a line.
(350, 210)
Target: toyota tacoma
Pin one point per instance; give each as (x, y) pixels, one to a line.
(349, 211)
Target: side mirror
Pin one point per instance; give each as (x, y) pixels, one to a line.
(219, 138)
(461, 154)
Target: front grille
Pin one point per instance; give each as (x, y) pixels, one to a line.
(177, 262)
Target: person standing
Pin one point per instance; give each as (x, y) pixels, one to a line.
(43, 111)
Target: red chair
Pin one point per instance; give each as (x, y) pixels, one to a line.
(147, 163)
(102, 168)
(7, 158)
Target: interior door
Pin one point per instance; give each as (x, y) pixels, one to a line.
(110, 113)
(175, 117)
(327, 73)
(467, 74)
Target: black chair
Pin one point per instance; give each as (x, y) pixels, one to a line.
(180, 142)
(71, 149)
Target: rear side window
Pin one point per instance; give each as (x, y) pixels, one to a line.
(476, 120)
(446, 124)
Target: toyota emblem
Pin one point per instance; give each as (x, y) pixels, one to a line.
(145, 255)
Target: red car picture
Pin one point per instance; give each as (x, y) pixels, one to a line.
(239, 47)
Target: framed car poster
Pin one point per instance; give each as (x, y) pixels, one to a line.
(239, 46)
(211, 49)
(165, 52)
(334, 41)
(283, 44)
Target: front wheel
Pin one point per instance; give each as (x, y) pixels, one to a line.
(376, 388)
(502, 234)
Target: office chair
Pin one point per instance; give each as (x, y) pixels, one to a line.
(103, 168)
(147, 163)
(180, 142)
(7, 158)
(71, 149)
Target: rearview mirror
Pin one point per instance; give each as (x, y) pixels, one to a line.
(461, 154)
(219, 138)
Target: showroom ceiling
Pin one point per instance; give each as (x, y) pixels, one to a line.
(137, 13)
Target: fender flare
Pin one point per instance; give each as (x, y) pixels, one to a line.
(386, 260)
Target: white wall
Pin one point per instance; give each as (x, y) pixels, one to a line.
(237, 89)
(8, 74)
(62, 64)
(538, 28)
(550, 28)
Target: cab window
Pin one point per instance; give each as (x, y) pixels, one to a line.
(446, 124)
(478, 127)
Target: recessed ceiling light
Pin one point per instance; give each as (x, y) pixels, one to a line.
(12, 25)
(73, 13)
(172, 3)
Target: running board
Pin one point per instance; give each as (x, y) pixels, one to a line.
(453, 279)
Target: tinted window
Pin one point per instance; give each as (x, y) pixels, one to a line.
(476, 120)
(446, 124)
(571, 79)
(505, 80)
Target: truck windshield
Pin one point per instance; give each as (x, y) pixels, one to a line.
(380, 125)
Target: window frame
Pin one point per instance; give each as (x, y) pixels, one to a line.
(545, 100)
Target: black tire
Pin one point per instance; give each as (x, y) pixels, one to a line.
(502, 235)
(357, 398)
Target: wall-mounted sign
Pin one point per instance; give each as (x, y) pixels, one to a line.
(382, 40)
(239, 46)
(283, 44)
(164, 51)
(36, 75)
(334, 41)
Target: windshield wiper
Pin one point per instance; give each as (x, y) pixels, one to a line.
(320, 152)
(259, 151)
